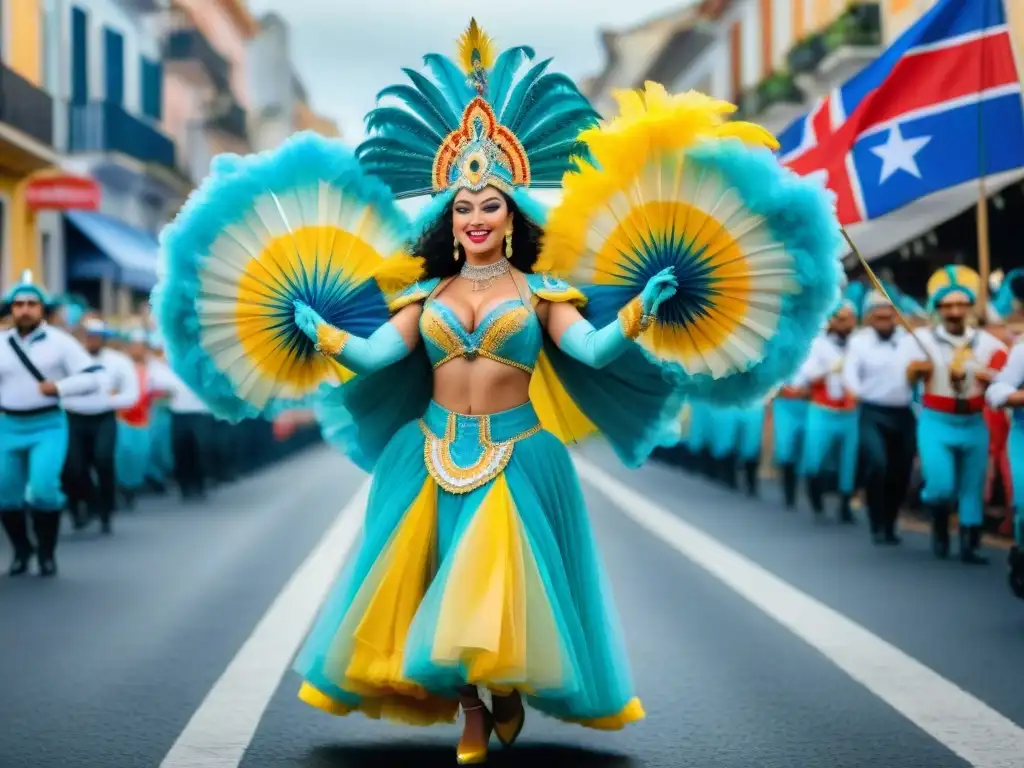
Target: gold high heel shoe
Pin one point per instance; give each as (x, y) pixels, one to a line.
(476, 753)
(508, 731)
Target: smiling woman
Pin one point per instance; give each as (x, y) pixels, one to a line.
(453, 358)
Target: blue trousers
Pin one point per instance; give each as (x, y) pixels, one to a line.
(1015, 446)
(789, 416)
(698, 438)
(829, 433)
(750, 433)
(954, 459)
(32, 453)
(725, 427)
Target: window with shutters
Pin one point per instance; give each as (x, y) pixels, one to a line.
(113, 51)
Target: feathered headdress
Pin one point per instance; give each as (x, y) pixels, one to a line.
(482, 123)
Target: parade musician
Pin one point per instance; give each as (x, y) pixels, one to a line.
(39, 366)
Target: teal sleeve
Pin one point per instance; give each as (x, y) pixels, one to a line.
(383, 348)
(592, 347)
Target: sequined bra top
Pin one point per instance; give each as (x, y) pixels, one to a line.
(509, 332)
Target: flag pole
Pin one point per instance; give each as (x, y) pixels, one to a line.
(877, 285)
(984, 254)
(981, 210)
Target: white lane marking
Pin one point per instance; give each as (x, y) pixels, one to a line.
(946, 712)
(223, 726)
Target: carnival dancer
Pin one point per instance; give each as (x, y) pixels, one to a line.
(698, 437)
(1007, 391)
(134, 424)
(39, 364)
(90, 472)
(874, 374)
(789, 416)
(831, 429)
(749, 436)
(161, 456)
(463, 370)
(950, 362)
(725, 424)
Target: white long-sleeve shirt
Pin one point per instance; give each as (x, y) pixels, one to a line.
(825, 360)
(57, 355)
(182, 399)
(119, 388)
(980, 347)
(1008, 380)
(875, 369)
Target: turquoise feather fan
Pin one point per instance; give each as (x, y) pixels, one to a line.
(301, 223)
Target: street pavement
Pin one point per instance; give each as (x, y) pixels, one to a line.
(757, 636)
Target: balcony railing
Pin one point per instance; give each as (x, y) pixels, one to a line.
(190, 47)
(102, 126)
(777, 88)
(26, 107)
(226, 116)
(860, 26)
(806, 55)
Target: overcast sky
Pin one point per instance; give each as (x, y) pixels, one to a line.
(346, 56)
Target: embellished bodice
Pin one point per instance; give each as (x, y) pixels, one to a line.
(509, 332)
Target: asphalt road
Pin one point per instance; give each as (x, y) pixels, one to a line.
(758, 638)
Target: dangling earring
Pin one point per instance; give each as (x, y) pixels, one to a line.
(508, 244)
(455, 252)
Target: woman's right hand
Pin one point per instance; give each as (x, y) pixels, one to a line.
(307, 319)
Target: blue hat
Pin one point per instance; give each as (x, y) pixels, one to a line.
(27, 288)
(95, 327)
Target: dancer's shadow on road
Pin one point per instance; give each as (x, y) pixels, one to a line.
(436, 756)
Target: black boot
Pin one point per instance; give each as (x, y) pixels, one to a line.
(940, 530)
(789, 485)
(16, 525)
(845, 513)
(750, 472)
(727, 470)
(47, 527)
(816, 495)
(970, 543)
(1016, 563)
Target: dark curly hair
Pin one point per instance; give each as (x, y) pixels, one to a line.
(435, 246)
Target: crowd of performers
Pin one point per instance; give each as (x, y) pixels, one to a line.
(932, 407)
(91, 416)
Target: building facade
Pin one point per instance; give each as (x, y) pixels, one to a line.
(26, 137)
(207, 96)
(107, 77)
(279, 101)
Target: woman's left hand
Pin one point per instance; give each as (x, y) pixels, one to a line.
(658, 290)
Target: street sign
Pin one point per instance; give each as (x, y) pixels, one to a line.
(63, 193)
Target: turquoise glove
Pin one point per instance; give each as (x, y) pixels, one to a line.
(598, 348)
(361, 356)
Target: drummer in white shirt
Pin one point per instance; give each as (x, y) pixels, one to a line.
(39, 365)
(93, 423)
(874, 372)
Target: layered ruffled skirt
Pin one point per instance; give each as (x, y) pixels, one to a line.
(477, 566)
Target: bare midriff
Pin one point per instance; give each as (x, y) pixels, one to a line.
(480, 386)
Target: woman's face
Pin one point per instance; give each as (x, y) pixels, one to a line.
(480, 220)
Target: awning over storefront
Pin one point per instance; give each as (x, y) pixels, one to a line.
(110, 249)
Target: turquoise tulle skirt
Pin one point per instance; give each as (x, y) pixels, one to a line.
(477, 566)
(132, 456)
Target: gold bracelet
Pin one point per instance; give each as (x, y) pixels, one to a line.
(633, 320)
(330, 340)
